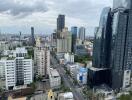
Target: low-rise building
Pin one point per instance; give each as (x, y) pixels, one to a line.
(103, 92)
(69, 58)
(73, 68)
(66, 96)
(82, 76)
(98, 76)
(54, 78)
(21, 98)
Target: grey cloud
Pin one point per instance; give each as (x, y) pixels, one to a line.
(86, 10)
(19, 9)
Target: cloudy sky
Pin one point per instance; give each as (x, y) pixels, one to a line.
(20, 15)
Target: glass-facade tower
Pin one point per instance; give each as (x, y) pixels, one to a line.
(113, 43)
(74, 37)
(60, 23)
(121, 48)
(81, 33)
(102, 39)
(32, 36)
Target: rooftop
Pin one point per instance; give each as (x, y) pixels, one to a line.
(97, 69)
(7, 58)
(67, 95)
(54, 73)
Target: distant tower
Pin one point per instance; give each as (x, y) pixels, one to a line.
(60, 23)
(82, 33)
(38, 42)
(32, 36)
(0, 34)
(20, 34)
(74, 37)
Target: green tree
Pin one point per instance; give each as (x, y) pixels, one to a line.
(33, 86)
(31, 52)
(125, 97)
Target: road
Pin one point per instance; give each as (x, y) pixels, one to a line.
(65, 78)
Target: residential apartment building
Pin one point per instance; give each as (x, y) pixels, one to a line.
(18, 68)
(42, 60)
(64, 43)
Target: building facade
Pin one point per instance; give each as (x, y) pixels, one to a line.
(112, 44)
(82, 76)
(18, 69)
(74, 37)
(64, 44)
(2, 69)
(69, 58)
(102, 40)
(60, 24)
(82, 32)
(66, 96)
(55, 79)
(32, 37)
(121, 44)
(42, 60)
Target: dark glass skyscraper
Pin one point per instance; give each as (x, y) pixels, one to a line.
(74, 37)
(102, 39)
(121, 48)
(60, 23)
(113, 43)
(32, 36)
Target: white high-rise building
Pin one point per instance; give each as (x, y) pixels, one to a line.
(38, 42)
(42, 60)
(18, 69)
(2, 69)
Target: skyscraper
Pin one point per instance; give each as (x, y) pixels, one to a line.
(64, 44)
(42, 60)
(74, 37)
(82, 33)
(60, 23)
(102, 39)
(32, 37)
(121, 58)
(113, 44)
(101, 51)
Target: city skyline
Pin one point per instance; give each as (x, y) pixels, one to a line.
(42, 14)
(66, 50)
